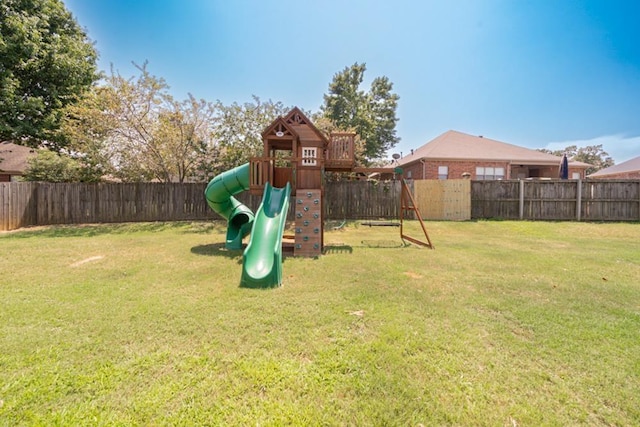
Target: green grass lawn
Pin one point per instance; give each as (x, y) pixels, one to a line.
(504, 323)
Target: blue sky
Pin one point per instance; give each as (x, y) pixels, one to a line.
(539, 74)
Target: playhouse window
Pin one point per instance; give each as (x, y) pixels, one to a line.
(309, 156)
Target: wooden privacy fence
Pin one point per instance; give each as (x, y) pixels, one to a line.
(590, 200)
(24, 204)
(362, 200)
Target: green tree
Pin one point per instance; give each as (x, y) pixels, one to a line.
(372, 114)
(185, 137)
(592, 154)
(49, 166)
(135, 130)
(87, 127)
(46, 62)
(239, 127)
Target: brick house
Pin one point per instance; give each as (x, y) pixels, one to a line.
(13, 160)
(456, 155)
(625, 170)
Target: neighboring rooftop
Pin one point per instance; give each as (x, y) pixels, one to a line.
(454, 145)
(14, 157)
(632, 165)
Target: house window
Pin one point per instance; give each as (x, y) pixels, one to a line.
(443, 172)
(575, 175)
(309, 156)
(488, 173)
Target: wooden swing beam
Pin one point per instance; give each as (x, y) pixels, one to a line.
(407, 203)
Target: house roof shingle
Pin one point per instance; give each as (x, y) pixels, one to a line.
(454, 145)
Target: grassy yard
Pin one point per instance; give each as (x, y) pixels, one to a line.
(504, 323)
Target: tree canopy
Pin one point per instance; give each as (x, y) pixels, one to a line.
(592, 154)
(135, 130)
(371, 114)
(238, 129)
(49, 166)
(46, 62)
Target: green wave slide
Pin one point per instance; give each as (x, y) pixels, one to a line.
(262, 259)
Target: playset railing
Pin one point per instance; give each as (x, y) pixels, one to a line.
(340, 153)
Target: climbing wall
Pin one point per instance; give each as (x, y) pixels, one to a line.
(308, 236)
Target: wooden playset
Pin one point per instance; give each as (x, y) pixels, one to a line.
(296, 152)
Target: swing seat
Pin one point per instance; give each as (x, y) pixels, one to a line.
(380, 224)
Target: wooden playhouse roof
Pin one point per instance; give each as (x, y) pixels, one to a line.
(298, 125)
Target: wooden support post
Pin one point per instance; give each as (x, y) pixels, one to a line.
(407, 203)
(579, 201)
(521, 201)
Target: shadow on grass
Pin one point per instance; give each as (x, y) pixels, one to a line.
(91, 230)
(337, 249)
(383, 244)
(258, 286)
(217, 249)
(206, 227)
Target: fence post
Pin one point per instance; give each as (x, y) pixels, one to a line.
(521, 201)
(579, 201)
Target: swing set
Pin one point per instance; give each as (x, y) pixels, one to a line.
(407, 205)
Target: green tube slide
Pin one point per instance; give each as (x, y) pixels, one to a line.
(262, 261)
(219, 194)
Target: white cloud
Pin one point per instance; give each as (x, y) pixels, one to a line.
(620, 147)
